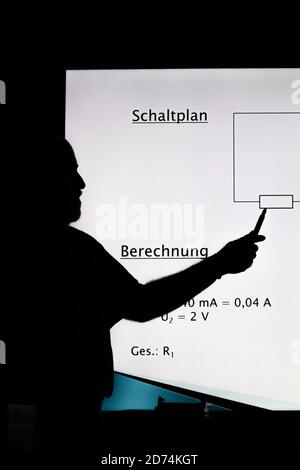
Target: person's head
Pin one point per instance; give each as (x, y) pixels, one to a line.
(44, 183)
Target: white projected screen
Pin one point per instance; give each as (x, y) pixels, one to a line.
(176, 164)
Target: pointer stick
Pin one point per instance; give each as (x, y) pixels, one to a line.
(259, 222)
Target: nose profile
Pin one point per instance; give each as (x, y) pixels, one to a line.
(81, 183)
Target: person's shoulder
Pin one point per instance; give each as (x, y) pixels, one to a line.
(78, 235)
(82, 245)
(82, 239)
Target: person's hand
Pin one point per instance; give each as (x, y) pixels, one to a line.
(238, 255)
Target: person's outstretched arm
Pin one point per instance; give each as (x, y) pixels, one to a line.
(164, 295)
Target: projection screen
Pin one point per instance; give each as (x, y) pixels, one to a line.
(176, 164)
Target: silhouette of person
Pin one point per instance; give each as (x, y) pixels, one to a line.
(64, 291)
